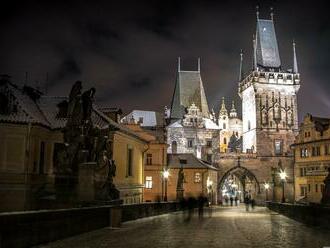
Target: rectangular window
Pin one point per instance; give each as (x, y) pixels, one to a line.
(42, 158)
(129, 161)
(302, 191)
(326, 150)
(149, 159)
(318, 151)
(149, 182)
(278, 147)
(197, 178)
(322, 188)
(190, 143)
(209, 143)
(301, 172)
(316, 188)
(309, 188)
(313, 151)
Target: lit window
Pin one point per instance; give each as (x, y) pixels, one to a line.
(197, 178)
(278, 147)
(149, 182)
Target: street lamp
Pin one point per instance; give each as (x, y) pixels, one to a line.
(166, 174)
(283, 176)
(266, 185)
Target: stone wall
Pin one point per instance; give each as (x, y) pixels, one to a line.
(25, 229)
(315, 214)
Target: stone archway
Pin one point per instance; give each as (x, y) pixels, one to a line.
(243, 179)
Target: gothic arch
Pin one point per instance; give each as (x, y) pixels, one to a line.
(241, 171)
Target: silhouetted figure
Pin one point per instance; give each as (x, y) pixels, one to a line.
(226, 200)
(253, 203)
(201, 202)
(247, 203)
(231, 201)
(236, 199)
(191, 204)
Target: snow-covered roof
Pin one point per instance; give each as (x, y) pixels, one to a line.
(176, 124)
(209, 124)
(148, 118)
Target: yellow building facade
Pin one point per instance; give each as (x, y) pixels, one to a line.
(31, 126)
(312, 158)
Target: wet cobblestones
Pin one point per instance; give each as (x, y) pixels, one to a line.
(224, 227)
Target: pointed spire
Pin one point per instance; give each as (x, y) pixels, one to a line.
(257, 12)
(179, 64)
(272, 13)
(233, 112)
(295, 64)
(241, 67)
(223, 110)
(199, 64)
(254, 53)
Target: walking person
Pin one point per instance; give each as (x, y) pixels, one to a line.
(231, 201)
(247, 203)
(236, 200)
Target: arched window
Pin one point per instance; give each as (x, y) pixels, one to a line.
(224, 125)
(225, 141)
(174, 147)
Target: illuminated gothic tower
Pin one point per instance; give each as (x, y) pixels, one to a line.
(268, 93)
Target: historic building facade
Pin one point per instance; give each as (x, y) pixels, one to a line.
(312, 158)
(269, 118)
(192, 128)
(231, 128)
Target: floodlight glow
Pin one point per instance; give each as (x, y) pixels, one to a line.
(283, 175)
(266, 185)
(166, 173)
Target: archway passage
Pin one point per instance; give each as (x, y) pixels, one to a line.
(236, 183)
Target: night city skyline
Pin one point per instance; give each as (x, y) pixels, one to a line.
(130, 53)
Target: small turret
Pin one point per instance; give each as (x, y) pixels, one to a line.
(233, 111)
(223, 115)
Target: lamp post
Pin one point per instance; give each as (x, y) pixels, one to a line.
(266, 188)
(166, 174)
(283, 176)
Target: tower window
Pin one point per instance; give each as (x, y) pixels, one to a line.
(190, 143)
(224, 125)
(225, 141)
(278, 147)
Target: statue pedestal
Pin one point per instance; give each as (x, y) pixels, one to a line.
(179, 194)
(86, 189)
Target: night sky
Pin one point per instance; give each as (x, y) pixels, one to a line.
(128, 49)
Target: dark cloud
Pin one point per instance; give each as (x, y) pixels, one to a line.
(128, 49)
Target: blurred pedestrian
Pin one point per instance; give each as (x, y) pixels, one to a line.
(201, 203)
(236, 199)
(231, 201)
(247, 203)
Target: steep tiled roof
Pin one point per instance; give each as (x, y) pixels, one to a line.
(27, 110)
(192, 162)
(267, 48)
(189, 89)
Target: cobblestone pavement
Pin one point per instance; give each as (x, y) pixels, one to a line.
(225, 227)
